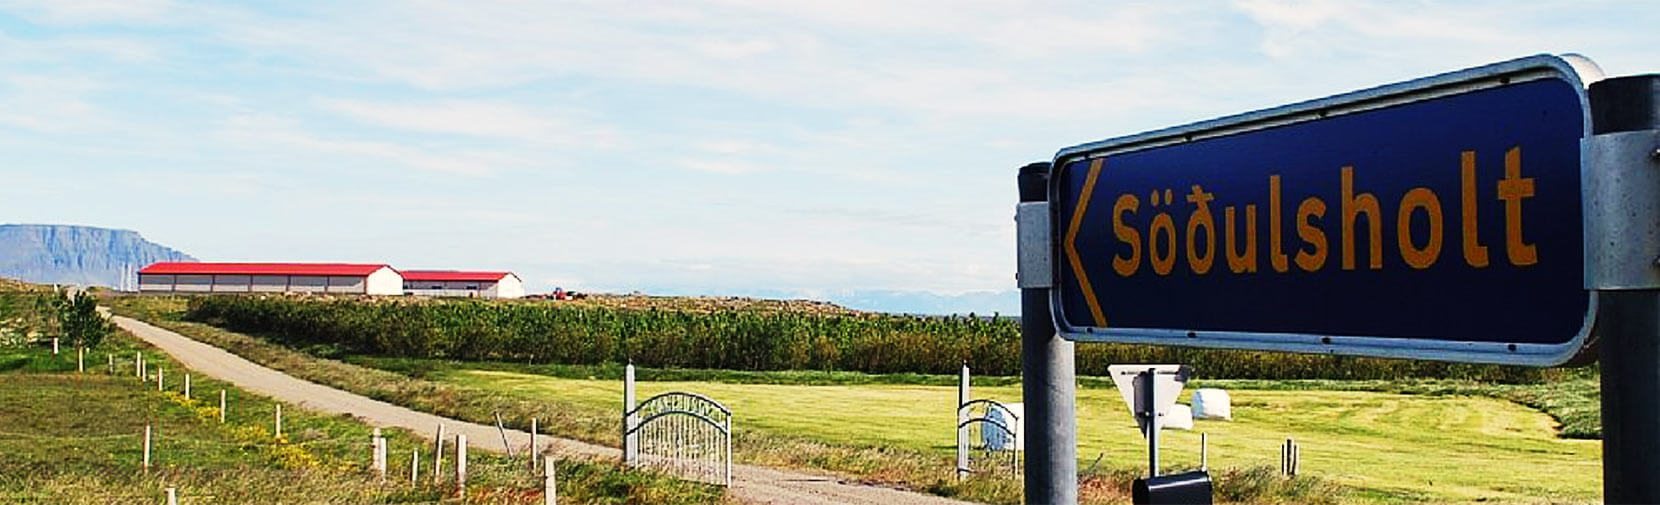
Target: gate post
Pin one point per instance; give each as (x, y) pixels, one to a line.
(962, 432)
(1048, 380)
(630, 442)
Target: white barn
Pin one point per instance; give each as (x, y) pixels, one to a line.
(340, 278)
(463, 284)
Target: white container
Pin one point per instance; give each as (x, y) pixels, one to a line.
(1179, 418)
(1211, 403)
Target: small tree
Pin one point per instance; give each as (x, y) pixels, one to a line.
(82, 323)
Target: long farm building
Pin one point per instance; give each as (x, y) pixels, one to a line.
(333, 278)
(463, 284)
(341, 278)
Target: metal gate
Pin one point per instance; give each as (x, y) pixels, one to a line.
(989, 438)
(685, 434)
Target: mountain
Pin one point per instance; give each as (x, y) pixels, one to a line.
(83, 255)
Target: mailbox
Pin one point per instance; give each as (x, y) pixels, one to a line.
(1191, 488)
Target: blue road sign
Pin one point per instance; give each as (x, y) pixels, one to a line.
(1436, 219)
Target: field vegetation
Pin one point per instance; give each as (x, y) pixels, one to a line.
(907, 466)
(76, 437)
(743, 339)
(1443, 440)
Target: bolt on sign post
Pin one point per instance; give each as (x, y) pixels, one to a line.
(1506, 214)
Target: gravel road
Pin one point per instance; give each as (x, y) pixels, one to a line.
(750, 484)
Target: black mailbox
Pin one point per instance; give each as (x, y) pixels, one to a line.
(1191, 488)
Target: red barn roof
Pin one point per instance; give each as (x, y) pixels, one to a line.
(453, 275)
(189, 268)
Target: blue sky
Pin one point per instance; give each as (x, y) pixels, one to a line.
(846, 150)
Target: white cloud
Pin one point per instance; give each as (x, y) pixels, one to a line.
(51, 104)
(282, 136)
(74, 12)
(478, 118)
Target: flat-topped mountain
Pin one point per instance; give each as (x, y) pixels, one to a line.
(82, 255)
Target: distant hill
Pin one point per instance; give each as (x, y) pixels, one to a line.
(83, 255)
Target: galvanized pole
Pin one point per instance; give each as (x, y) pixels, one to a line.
(1148, 382)
(1048, 383)
(1629, 336)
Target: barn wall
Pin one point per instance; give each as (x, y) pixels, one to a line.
(385, 281)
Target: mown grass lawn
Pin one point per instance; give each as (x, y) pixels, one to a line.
(1393, 447)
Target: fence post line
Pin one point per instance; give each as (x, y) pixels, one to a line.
(550, 485)
(221, 406)
(146, 447)
(534, 450)
(438, 456)
(172, 496)
(461, 463)
(630, 444)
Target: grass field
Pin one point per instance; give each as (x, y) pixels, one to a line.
(1445, 441)
(1389, 446)
(71, 437)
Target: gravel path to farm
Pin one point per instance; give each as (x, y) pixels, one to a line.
(751, 484)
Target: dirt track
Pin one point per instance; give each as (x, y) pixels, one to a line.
(751, 484)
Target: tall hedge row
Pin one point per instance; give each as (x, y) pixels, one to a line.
(475, 330)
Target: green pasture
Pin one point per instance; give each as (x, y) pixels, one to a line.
(1388, 447)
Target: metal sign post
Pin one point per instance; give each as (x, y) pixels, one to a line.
(1512, 209)
(1623, 199)
(1149, 411)
(1047, 378)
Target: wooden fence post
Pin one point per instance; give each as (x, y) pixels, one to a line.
(146, 447)
(172, 496)
(80, 359)
(534, 450)
(138, 365)
(438, 456)
(221, 406)
(160, 374)
(550, 486)
(461, 463)
(503, 431)
(187, 386)
(54, 346)
(414, 465)
(279, 420)
(377, 454)
(112, 363)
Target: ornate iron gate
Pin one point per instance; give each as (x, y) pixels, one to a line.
(988, 434)
(685, 434)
